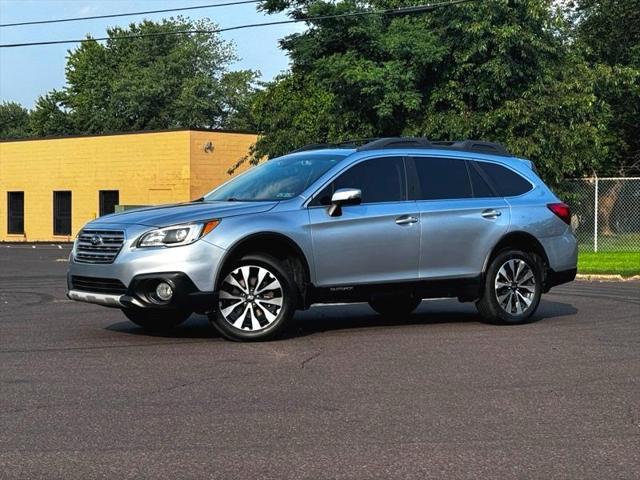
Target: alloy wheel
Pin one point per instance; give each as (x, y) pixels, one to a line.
(250, 298)
(515, 286)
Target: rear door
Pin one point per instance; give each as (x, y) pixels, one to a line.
(377, 241)
(461, 217)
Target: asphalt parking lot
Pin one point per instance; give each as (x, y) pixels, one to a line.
(85, 394)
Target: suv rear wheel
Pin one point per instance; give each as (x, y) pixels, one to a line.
(399, 305)
(156, 320)
(512, 288)
(256, 298)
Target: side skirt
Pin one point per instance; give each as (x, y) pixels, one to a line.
(465, 289)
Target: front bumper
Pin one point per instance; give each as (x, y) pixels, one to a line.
(138, 294)
(191, 268)
(104, 299)
(199, 261)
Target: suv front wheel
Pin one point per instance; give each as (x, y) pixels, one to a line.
(512, 288)
(256, 298)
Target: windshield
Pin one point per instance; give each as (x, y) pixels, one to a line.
(277, 179)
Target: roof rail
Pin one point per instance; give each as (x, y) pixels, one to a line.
(311, 146)
(479, 146)
(344, 144)
(396, 142)
(421, 142)
(365, 144)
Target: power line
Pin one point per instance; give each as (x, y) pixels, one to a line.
(391, 11)
(130, 14)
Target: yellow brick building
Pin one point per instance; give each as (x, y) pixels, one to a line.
(49, 188)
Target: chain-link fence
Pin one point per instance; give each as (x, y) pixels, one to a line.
(606, 212)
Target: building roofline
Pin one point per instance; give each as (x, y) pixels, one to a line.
(135, 132)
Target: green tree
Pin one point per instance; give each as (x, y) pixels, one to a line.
(610, 29)
(50, 118)
(152, 81)
(14, 120)
(292, 110)
(239, 88)
(501, 70)
(609, 33)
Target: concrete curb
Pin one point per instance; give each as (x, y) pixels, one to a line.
(605, 278)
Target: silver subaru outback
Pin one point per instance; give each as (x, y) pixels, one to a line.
(390, 222)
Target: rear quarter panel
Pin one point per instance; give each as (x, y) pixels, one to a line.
(529, 213)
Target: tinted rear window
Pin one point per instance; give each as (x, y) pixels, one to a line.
(506, 182)
(442, 178)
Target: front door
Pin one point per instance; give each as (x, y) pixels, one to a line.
(377, 241)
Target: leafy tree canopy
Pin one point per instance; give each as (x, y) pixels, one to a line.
(501, 70)
(609, 33)
(50, 118)
(149, 82)
(14, 120)
(610, 29)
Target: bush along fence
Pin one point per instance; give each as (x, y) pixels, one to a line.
(606, 212)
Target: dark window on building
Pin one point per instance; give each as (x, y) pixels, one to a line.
(481, 188)
(15, 210)
(108, 201)
(442, 178)
(506, 182)
(379, 179)
(62, 213)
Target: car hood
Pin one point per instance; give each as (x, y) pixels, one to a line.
(166, 215)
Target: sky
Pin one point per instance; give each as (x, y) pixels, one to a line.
(28, 72)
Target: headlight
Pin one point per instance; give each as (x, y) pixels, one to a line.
(176, 235)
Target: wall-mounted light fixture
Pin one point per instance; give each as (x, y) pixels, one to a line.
(208, 147)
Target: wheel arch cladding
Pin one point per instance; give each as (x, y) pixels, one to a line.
(521, 241)
(276, 245)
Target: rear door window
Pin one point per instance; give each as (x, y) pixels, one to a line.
(505, 182)
(441, 178)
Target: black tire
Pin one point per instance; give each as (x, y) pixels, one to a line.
(506, 302)
(156, 320)
(396, 305)
(254, 310)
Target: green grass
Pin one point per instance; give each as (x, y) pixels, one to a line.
(622, 242)
(626, 264)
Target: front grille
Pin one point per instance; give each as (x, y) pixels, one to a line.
(98, 285)
(98, 246)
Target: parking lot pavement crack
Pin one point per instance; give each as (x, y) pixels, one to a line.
(635, 421)
(310, 358)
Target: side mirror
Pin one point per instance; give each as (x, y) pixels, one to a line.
(344, 196)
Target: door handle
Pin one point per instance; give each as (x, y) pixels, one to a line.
(406, 220)
(491, 213)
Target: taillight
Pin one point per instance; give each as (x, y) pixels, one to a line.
(562, 211)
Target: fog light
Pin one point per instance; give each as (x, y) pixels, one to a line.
(164, 292)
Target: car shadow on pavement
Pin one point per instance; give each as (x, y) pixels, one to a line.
(356, 316)
(429, 313)
(196, 327)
